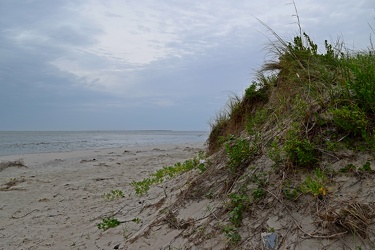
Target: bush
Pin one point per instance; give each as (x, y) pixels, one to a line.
(253, 122)
(351, 119)
(257, 91)
(238, 151)
(361, 80)
(300, 151)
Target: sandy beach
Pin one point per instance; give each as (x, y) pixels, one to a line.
(56, 200)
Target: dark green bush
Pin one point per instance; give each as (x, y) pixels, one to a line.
(350, 118)
(300, 151)
(238, 151)
(361, 80)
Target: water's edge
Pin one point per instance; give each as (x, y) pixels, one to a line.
(31, 142)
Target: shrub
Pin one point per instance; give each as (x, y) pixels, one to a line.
(351, 119)
(300, 151)
(254, 121)
(238, 151)
(257, 91)
(361, 79)
(275, 153)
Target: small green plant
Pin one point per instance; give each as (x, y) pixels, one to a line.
(137, 220)
(316, 184)
(300, 106)
(113, 195)
(332, 145)
(209, 195)
(142, 187)
(251, 92)
(108, 223)
(258, 193)
(353, 168)
(231, 232)
(366, 167)
(275, 154)
(300, 151)
(348, 168)
(218, 125)
(235, 216)
(238, 204)
(253, 122)
(290, 193)
(260, 179)
(238, 152)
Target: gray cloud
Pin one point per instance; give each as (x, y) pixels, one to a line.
(90, 64)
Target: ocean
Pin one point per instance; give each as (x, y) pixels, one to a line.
(27, 142)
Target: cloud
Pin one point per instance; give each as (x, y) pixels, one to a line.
(72, 59)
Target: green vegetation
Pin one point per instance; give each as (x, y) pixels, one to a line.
(308, 94)
(280, 148)
(232, 234)
(137, 220)
(275, 154)
(315, 184)
(238, 151)
(301, 152)
(290, 193)
(350, 168)
(113, 195)
(111, 222)
(302, 108)
(142, 187)
(254, 121)
(108, 223)
(237, 205)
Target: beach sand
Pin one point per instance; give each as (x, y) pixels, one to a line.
(56, 200)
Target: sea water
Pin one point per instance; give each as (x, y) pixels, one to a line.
(27, 142)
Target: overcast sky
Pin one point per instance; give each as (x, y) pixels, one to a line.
(147, 64)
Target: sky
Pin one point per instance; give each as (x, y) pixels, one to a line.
(148, 64)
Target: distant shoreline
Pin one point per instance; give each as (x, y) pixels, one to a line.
(106, 130)
(29, 142)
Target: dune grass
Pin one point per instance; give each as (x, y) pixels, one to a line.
(303, 105)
